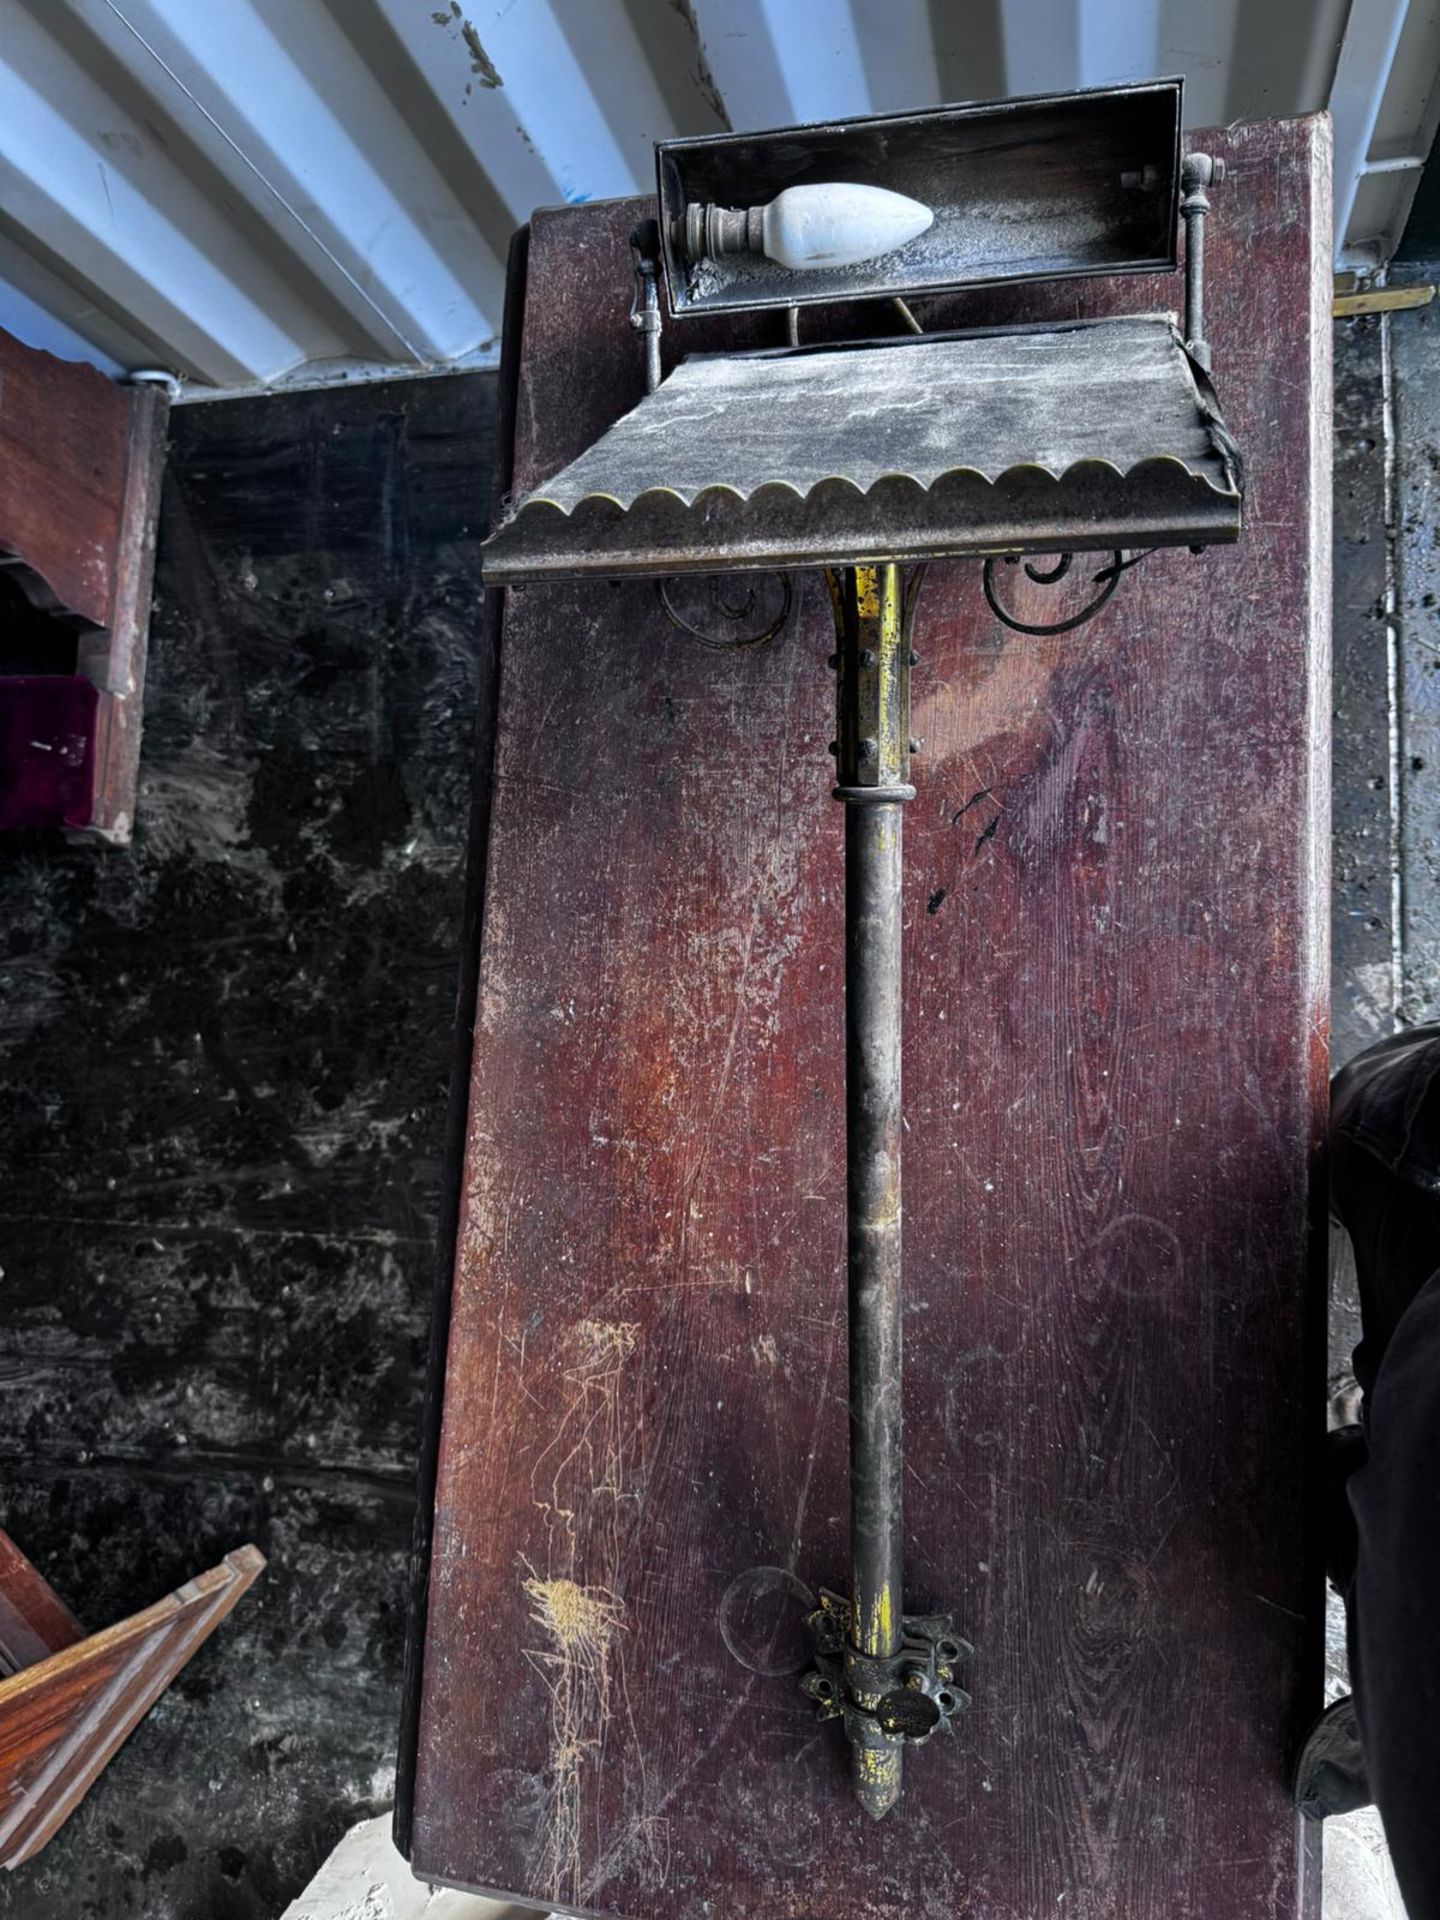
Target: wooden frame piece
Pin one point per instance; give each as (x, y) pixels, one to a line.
(74, 1700)
(34, 1621)
(81, 460)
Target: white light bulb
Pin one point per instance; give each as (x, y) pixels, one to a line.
(839, 225)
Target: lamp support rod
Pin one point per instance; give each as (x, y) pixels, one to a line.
(645, 307)
(872, 765)
(891, 1676)
(1197, 172)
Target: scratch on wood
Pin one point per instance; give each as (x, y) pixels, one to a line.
(580, 1624)
(589, 1475)
(590, 1443)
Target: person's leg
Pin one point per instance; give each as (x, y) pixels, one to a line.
(1394, 1600)
(1385, 1191)
(1385, 1180)
(1330, 1776)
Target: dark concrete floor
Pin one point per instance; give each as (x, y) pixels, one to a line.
(224, 1065)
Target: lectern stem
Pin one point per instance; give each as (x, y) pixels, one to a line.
(872, 761)
(873, 846)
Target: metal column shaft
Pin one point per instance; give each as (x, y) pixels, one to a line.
(872, 753)
(872, 1075)
(1197, 172)
(890, 1676)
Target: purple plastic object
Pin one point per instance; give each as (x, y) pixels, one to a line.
(47, 750)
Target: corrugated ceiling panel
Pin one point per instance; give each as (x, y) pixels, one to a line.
(1400, 140)
(252, 192)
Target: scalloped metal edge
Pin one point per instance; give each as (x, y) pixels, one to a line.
(538, 499)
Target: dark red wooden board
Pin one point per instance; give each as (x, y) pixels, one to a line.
(80, 467)
(1115, 1064)
(64, 452)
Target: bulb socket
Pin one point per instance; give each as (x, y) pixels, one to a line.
(708, 232)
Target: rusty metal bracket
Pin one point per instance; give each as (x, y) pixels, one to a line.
(1197, 172)
(886, 1703)
(1107, 580)
(741, 604)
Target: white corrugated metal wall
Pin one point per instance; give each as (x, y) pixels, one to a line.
(251, 192)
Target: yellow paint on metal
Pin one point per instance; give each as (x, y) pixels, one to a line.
(887, 652)
(877, 1774)
(878, 1631)
(867, 593)
(873, 714)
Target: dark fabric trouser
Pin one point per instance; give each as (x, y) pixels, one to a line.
(1393, 1601)
(1385, 1189)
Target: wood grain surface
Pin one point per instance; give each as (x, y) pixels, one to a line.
(62, 1718)
(116, 659)
(81, 460)
(64, 451)
(34, 1620)
(1115, 1066)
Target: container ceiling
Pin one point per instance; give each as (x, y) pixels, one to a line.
(267, 192)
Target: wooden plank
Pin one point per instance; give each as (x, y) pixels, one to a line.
(63, 1718)
(1346, 306)
(63, 449)
(1115, 1064)
(34, 1620)
(482, 770)
(119, 667)
(81, 460)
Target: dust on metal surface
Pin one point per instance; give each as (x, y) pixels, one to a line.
(1095, 434)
